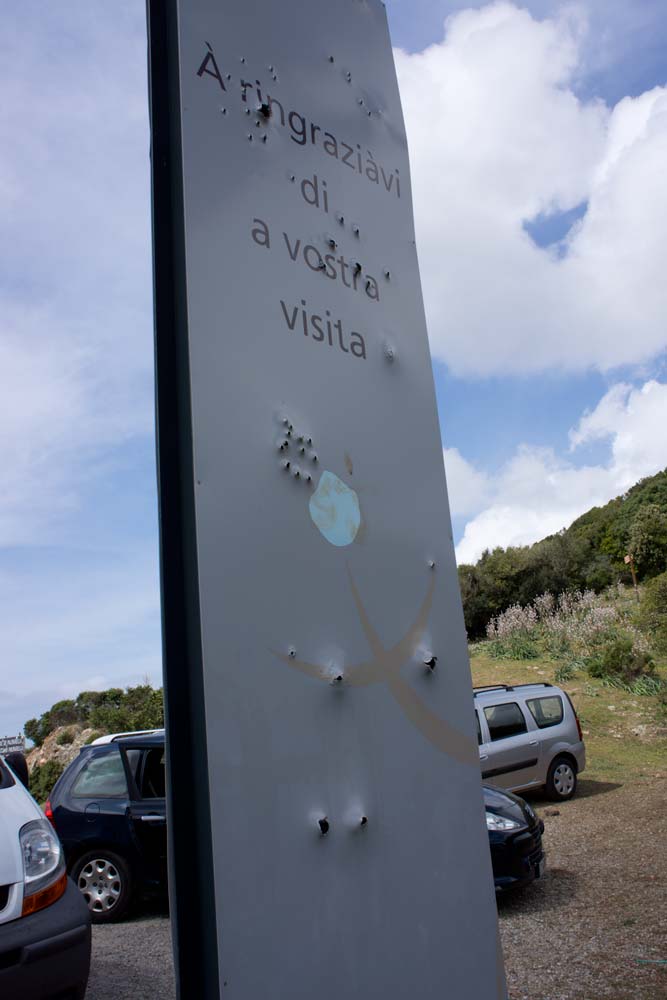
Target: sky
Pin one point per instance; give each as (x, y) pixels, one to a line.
(538, 146)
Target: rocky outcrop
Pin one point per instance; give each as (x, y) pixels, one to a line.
(61, 752)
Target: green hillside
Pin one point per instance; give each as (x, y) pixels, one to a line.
(589, 555)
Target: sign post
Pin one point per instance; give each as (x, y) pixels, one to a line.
(325, 810)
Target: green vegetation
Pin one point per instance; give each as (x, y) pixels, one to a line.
(115, 710)
(43, 777)
(589, 555)
(64, 738)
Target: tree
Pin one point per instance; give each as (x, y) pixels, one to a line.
(647, 542)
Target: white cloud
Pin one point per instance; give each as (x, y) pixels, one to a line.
(538, 492)
(466, 486)
(75, 297)
(498, 136)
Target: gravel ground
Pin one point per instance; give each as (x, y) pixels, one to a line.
(592, 929)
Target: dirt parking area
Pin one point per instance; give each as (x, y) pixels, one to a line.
(595, 928)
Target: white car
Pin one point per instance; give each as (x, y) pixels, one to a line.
(44, 921)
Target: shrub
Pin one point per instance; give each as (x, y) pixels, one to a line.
(652, 613)
(43, 778)
(564, 672)
(93, 736)
(619, 660)
(65, 738)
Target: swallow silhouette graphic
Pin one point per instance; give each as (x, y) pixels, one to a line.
(384, 667)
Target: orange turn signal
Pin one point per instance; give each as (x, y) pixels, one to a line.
(39, 900)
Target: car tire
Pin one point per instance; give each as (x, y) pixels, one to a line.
(561, 779)
(104, 880)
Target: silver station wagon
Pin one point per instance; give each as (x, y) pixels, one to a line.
(529, 736)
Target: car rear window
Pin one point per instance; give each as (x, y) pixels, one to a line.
(102, 777)
(6, 779)
(505, 720)
(546, 711)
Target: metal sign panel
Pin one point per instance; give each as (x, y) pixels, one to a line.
(327, 824)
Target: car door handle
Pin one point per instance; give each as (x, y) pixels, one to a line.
(484, 756)
(532, 743)
(153, 819)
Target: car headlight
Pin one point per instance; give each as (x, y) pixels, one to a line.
(496, 822)
(44, 875)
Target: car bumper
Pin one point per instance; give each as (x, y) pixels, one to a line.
(48, 953)
(517, 858)
(580, 755)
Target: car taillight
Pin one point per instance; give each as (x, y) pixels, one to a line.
(48, 812)
(576, 719)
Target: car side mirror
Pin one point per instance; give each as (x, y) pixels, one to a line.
(16, 760)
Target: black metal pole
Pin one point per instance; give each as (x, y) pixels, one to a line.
(191, 883)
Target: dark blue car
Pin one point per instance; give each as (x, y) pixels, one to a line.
(108, 809)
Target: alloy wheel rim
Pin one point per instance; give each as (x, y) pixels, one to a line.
(100, 884)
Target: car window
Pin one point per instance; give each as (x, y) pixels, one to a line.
(152, 778)
(505, 720)
(546, 711)
(102, 777)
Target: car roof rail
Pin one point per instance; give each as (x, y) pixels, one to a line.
(483, 688)
(534, 684)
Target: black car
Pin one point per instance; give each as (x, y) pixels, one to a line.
(108, 808)
(109, 811)
(515, 837)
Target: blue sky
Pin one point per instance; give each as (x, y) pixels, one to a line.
(538, 139)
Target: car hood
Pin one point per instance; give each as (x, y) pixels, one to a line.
(508, 805)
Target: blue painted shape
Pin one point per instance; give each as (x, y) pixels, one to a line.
(334, 508)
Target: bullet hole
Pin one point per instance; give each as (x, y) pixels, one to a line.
(431, 662)
(355, 230)
(431, 563)
(363, 821)
(291, 428)
(265, 110)
(292, 652)
(360, 101)
(357, 268)
(309, 478)
(242, 59)
(387, 275)
(250, 136)
(223, 111)
(270, 69)
(314, 458)
(348, 77)
(338, 679)
(332, 243)
(286, 465)
(323, 825)
(302, 450)
(264, 138)
(292, 178)
(247, 111)
(340, 219)
(310, 440)
(389, 354)
(369, 113)
(297, 474)
(229, 76)
(331, 58)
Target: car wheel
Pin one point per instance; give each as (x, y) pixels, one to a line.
(105, 883)
(561, 779)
